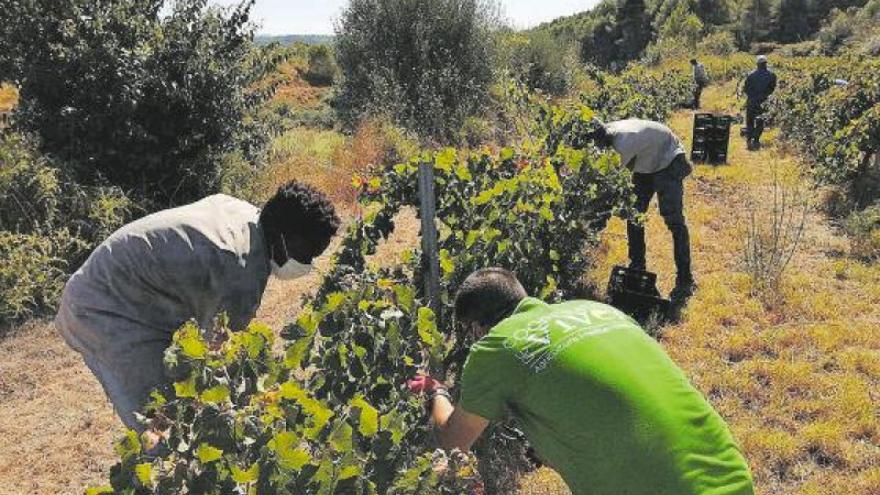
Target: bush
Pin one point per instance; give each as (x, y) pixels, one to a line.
(863, 228)
(428, 65)
(48, 225)
(718, 43)
(322, 68)
(541, 62)
(145, 101)
(31, 274)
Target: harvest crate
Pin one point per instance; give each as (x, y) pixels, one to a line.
(711, 138)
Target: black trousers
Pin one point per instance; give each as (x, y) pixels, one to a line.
(698, 92)
(668, 184)
(754, 122)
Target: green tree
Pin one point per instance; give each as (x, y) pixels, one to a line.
(790, 23)
(427, 64)
(120, 93)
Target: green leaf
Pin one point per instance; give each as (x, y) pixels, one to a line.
(144, 473)
(334, 300)
(406, 296)
(241, 476)
(319, 414)
(206, 453)
(554, 255)
(463, 173)
(340, 440)
(445, 159)
(446, 263)
(507, 154)
(427, 326)
(369, 417)
(186, 388)
(189, 338)
(216, 394)
(286, 447)
(129, 445)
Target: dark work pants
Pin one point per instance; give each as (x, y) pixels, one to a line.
(698, 92)
(668, 184)
(754, 124)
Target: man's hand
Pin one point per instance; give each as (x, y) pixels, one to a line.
(424, 384)
(456, 428)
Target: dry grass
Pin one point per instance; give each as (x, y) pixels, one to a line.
(328, 159)
(797, 381)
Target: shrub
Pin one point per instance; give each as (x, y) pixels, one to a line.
(123, 94)
(44, 213)
(31, 274)
(426, 64)
(863, 228)
(718, 43)
(322, 68)
(541, 62)
(775, 227)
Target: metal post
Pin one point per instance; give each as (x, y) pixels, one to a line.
(430, 248)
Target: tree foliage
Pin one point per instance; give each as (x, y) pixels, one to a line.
(122, 93)
(426, 64)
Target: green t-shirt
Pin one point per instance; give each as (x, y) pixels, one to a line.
(602, 403)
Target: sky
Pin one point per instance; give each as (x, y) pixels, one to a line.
(319, 16)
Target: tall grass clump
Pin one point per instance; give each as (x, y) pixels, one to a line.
(776, 222)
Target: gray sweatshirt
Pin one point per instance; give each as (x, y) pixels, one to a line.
(651, 146)
(156, 273)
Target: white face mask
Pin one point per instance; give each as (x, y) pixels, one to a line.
(291, 269)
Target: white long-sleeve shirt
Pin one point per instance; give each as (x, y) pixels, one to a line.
(154, 274)
(650, 145)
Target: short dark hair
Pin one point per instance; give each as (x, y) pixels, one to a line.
(300, 210)
(600, 136)
(693, 61)
(488, 296)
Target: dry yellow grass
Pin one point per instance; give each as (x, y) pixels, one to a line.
(797, 381)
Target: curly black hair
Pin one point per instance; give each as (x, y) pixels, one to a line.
(303, 216)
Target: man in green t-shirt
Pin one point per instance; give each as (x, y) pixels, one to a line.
(598, 399)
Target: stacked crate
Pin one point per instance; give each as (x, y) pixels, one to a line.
(711, 138)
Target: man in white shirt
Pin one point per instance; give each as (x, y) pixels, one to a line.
(659, 164)
(121, 308)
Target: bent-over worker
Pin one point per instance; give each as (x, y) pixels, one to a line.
(659, 164)
(597, 398)
(121, 308)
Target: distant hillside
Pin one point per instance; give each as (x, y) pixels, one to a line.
(620, 30)
(289, 39)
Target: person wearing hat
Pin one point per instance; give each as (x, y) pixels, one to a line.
(122, 307)
(659, 164)
(599, 400)
(759, 85)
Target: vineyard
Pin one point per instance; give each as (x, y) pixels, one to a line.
(319, 406)
(329, 414)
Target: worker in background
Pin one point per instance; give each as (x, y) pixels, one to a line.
(701, 80)
(121, 308)
(759, 85)
(659, 164)
(597, 398)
